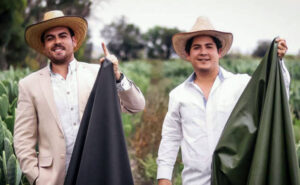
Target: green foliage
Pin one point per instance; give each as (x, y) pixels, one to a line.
(159, 42)
(176, 72)
(2, 89)
(4, 105)
(130, 121)
(10, 172)
(2, 135)
(150, 167)
(14, 172)
(241, 65)
(298, 153)
(139, 72)
(262, 48)
(124, 39)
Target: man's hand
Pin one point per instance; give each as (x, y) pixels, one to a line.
(113, 59)
(164, 182)
(282, 47)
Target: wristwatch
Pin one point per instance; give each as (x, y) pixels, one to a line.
(121, 78)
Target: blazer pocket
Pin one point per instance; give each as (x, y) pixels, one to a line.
(45, 161)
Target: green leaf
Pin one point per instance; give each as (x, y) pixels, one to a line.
(4, 165)
(4, 105)
(14, 90)
(2, 134)
(8, 135)
(13, 171)
(3, 89)
(298, 153)
(8, 148)
(9, 120)
(12, 106)
(1, 167)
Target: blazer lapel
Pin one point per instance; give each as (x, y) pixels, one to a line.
(85, 83)
(82, 86)
(46, 86)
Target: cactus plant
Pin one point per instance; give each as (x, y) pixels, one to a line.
(8, 149)
(14, 172)
(3, 89)
(2, 134)
(9, 120)
(4, 169)
(4, 105)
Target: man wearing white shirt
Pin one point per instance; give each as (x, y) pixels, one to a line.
(52, 100)
(200, 106)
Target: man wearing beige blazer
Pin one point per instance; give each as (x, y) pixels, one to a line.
(52, 100)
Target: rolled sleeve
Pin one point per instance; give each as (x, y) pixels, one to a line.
(124, 85)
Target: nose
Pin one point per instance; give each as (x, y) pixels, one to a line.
(57, 40)
(203, 51)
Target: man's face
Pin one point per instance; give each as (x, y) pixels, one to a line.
(59, 45)
(204, 55)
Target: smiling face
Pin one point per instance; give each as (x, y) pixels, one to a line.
(204, 55)
(59, 45)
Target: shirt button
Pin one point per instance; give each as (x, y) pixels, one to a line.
(72, 108)
(68, 92)
(74, 124)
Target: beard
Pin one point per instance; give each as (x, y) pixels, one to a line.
(59, 55)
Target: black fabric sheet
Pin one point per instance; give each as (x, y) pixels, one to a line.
(99, 155)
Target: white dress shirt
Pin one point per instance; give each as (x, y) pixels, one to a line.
(196, 124)
(66, 99)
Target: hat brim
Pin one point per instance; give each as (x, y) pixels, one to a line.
(33, 33)
(179, 40)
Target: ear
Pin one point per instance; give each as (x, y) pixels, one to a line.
(220, 52)
(74, 40)
(187, 56)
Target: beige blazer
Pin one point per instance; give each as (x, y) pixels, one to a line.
(37, 122)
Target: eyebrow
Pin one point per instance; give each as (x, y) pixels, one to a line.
(206, 44)
(51, 35)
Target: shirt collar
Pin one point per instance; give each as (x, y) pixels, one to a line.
(223, 74)
(71, 67)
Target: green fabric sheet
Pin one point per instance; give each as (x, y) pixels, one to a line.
(257, 146)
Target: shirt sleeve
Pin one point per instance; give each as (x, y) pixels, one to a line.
(286, 77)
(170, 142)
(124, 85)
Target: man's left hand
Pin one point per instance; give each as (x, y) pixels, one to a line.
(113, 59)
(282, 47)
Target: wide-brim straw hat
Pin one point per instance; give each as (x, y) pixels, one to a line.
(202, 27)
(55, 18)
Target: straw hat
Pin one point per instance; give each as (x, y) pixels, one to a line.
(202, 27)
(33, 33)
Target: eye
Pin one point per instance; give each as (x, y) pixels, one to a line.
(195, 47)
(63, 36)
(49, 38)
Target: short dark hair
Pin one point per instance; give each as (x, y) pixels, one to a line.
(190, 42)
(70, 30)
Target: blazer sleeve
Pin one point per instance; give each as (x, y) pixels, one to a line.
(25, 134)
(132, 100)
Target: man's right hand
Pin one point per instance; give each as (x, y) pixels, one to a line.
(164, 182)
